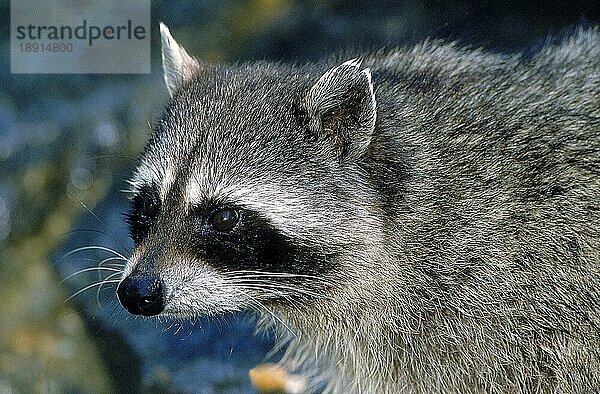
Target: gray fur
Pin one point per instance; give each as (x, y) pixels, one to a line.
(462, 205)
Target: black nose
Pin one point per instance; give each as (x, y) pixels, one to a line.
(141, 295)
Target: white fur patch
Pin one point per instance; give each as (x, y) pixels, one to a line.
(353, 62)
(193, 288)
(193, 193)
(168, 179)
(367, 73)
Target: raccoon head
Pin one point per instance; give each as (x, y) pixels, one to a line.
(252, 192)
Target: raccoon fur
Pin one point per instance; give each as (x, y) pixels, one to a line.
(421, 220)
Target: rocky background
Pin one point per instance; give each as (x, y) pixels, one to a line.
(68, 142)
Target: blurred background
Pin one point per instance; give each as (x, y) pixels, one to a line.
(69, 142)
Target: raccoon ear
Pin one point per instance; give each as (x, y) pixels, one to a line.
(342, 106)
(178, 66)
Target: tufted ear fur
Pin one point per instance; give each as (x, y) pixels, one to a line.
(178, 66)
(342, 106)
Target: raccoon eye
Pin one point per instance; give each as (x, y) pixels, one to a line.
(144, 209)
(149, 204)
(224, 219)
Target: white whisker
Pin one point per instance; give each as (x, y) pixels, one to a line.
(91, 286)
(118, 258)
(238, 275)
(106, 280)
(112, 236)
(93, 247)
(274, 274)
(271, 285)
(273, 315)
(81, 271)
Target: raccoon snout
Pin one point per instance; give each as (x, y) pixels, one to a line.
(141, 295)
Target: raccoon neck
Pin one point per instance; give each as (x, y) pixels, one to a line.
(356, 354)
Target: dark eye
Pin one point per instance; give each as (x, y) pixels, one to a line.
(143, 212)
(224, 219)
(149, 204)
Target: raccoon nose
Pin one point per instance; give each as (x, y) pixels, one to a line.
(141, 295)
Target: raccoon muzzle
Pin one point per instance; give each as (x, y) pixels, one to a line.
(141, 295)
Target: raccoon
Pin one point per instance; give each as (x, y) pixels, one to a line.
(419, 220)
